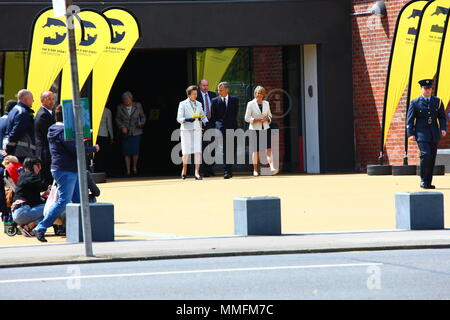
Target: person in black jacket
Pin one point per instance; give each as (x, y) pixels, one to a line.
(20, 127)
(224, 110)
(28, 205)
(44, 120)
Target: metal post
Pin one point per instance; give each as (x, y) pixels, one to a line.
(81, 154)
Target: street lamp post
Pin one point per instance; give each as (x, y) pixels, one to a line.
(79, 137)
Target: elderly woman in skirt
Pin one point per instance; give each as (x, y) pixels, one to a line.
(130, 119)
(190, 116)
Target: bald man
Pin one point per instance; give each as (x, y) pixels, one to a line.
(44, 120)
(205, 97)
(20, 127)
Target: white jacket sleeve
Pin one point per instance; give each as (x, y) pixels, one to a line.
(248, 114)
(180, 114)
(269, 113)
(109, 124)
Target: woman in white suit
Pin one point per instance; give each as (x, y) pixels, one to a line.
(258, 115)
(190, 116)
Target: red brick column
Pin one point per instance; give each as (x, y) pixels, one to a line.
(268, 72)
(372, 40)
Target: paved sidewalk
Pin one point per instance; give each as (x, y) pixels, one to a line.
(128, 250)
(162, 208)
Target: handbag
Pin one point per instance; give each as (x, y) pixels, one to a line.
(9, 196)
(52, 198)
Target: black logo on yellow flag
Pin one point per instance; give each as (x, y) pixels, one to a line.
(437, 28)
(440, 10)
(118, 30)
(90, 32)
(57, 30)
(415, 13)
(412, 31)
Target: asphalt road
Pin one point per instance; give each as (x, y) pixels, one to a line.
(407, 274)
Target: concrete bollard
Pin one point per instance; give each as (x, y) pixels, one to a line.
(443, 158)
(257, 216)
(102, 222)
(419, 210)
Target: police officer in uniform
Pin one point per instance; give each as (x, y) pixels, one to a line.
(426, 123)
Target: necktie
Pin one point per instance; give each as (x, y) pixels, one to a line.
(225, 101)
(208, 110)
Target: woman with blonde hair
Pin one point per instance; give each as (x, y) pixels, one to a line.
(259, 117)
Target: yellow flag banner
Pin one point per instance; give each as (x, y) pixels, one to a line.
(125, 34)
(400, 60)
(443, 72)
(97, 35)
(213, 63)
(13, 73)
(48, 53)
(428, 45)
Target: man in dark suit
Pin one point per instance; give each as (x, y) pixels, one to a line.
(205, 97)
(426, 123)
(224, 110)
(44, 120)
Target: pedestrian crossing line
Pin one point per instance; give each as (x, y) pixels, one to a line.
(164, 273)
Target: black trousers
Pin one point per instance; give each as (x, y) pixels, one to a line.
(428, 151)
(207, 168)
(101, 163)
(228, 167)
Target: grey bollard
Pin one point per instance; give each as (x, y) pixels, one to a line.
(257, 216)
(443, 158)
(102, 222)
(419, 210)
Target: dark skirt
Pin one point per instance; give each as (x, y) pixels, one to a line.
(261, 135)
(131, 145)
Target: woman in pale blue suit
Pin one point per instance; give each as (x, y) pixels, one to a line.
(191, 116)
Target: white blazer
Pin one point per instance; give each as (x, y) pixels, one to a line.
(254, 112)
(186, 110)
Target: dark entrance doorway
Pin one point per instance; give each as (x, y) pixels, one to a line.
(158, 80)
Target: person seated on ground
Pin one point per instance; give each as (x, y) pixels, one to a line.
(5, 212)
(59, 226)
(28, 206)
(10, 176)
(13, 168)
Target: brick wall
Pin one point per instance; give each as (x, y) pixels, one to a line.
(372, 39)
(268, 72)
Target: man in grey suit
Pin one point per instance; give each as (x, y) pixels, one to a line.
(205, 97)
